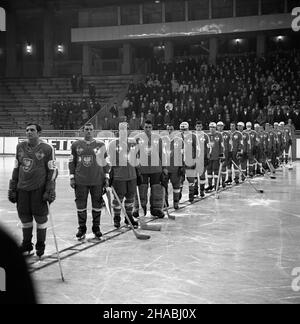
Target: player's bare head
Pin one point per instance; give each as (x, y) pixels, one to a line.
(33, 127)
(199, 126)
(148, 126)
(170, 128)
(88, 130)
(33, 131)
(232, 127)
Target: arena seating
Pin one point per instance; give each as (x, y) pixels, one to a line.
(23, 99)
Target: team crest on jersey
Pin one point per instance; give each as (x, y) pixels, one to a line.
(27, 164)
(79, 150)
(87, 161)
(217, 139)
(20, 154)
(39, 155)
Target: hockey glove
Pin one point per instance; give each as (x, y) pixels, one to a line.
(164, 179)
(50, 194)
(139, 177)
(72, 183)
(181, 171)
(222, 158)
(12, 192)
(106, 182)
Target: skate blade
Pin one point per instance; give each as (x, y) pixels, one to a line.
(81, 239)
(95, 239)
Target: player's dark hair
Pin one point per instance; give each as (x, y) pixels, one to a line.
(38, 127)
(149, 122)
(88, 124)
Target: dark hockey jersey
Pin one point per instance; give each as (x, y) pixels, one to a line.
(34, 167)
(216, 146)
(88, 162)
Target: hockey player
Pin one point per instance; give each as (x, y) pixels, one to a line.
(32, 186)
(151, 162)
(259, 148)
(279, 143)
(89, 174)
(227, 152)
(288, 142)
(173, 146)
(271, 147)
(202, 158)
(190, 155)
(246, 150)
(216, 156)
(252, 148)
(237, 149)
(122, 155)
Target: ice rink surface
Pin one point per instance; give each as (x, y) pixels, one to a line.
(241, 248)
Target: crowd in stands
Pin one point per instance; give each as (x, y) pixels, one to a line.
(71, 114)
(238, 88)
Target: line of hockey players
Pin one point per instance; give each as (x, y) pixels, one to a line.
(133, 164)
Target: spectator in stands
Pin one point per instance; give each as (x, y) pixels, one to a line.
(113, 123)
(159, 121)
(125, 106)
(142, 120)
(80, 83)
(114, 109)
(104, 123)
(296, 119)
(92, 91)
(84, 116)
(150, 116)
(74, 83)
(261, 118)
(168, 106)
(134, 122)
(245, 116)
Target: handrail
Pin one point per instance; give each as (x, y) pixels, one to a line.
(104, 111)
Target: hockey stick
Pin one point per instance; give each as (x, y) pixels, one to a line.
(265, 171)
(107, 201)
(139, 236)
(290, 158)
(172, 217)
(271, 167)
(252, 185)
(218, 183)
(55, 242)
(143, 224)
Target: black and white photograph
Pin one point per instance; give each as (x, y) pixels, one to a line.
(149, 154)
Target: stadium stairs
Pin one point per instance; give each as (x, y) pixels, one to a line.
(23, 99)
